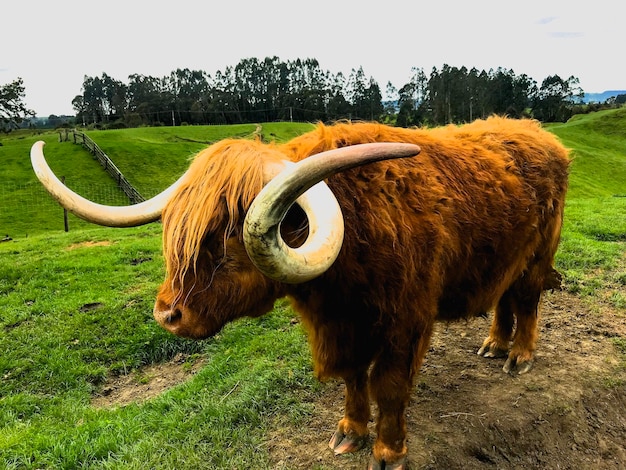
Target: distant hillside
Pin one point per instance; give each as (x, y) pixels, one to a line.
(602, 97)
(598, 140)
(153, 157)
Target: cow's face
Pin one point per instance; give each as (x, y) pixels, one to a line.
(224, 285)
(211, 279)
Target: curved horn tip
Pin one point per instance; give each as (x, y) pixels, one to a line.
(111, 216)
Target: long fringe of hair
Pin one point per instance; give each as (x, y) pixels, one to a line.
(222, 182)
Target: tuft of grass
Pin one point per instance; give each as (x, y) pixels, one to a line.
(620, 346)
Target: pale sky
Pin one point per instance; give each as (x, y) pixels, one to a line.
(53, 45)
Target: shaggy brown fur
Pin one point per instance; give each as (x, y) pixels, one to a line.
(470, 225)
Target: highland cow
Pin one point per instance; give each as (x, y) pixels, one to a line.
(393, 240)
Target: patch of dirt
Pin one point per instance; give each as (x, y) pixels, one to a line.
(146, 383)
(568, 412)
(90, 306)
(89, 244)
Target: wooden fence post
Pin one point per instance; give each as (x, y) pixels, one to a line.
(65, 219)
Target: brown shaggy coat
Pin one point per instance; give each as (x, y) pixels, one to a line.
(468, 226)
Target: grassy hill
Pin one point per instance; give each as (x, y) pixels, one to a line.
(75, 311)
(599, 143)
(596, 204)
(150, 158)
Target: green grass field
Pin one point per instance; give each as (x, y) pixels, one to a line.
(150, 158)
(75, 308)
(592, 251)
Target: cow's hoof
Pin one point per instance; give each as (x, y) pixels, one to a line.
(490, 350)
(342, 443)
(515, 366)
(400, 464)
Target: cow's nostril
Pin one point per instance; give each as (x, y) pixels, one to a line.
(174, 316)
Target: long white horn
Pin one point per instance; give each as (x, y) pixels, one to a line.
(111, 216)
(262, 239)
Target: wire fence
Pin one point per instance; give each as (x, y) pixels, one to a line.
(108, 165)
(28, 208)
(33, 196)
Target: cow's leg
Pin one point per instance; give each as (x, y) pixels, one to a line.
(519, 302)
(391, 383)
(352, 432)
(501, 331)
(522, 354)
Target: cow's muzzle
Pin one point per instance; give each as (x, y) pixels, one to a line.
(179, 321)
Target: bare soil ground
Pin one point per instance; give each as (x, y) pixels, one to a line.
(147, 383)
(568, 412)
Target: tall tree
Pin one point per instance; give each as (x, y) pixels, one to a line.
(315, 93)
(104, 99)
(556, 98)
(92, 100)
(276, 76)
(390, 102)
(476, 90)
(12, 108)
(364, 95)
(420, 87)
(406, 105)
(374, 101)
(413, 100)
(147, 100)
(114, 102)
(338, 105)
(78, 103)
(186, 91)
(445, 95)
(524, 92)
(501, 90)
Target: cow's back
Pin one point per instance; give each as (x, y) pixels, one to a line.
(456, 224)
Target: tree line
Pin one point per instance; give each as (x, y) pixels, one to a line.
(299, 90)
(252, 91)
(274, 90)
